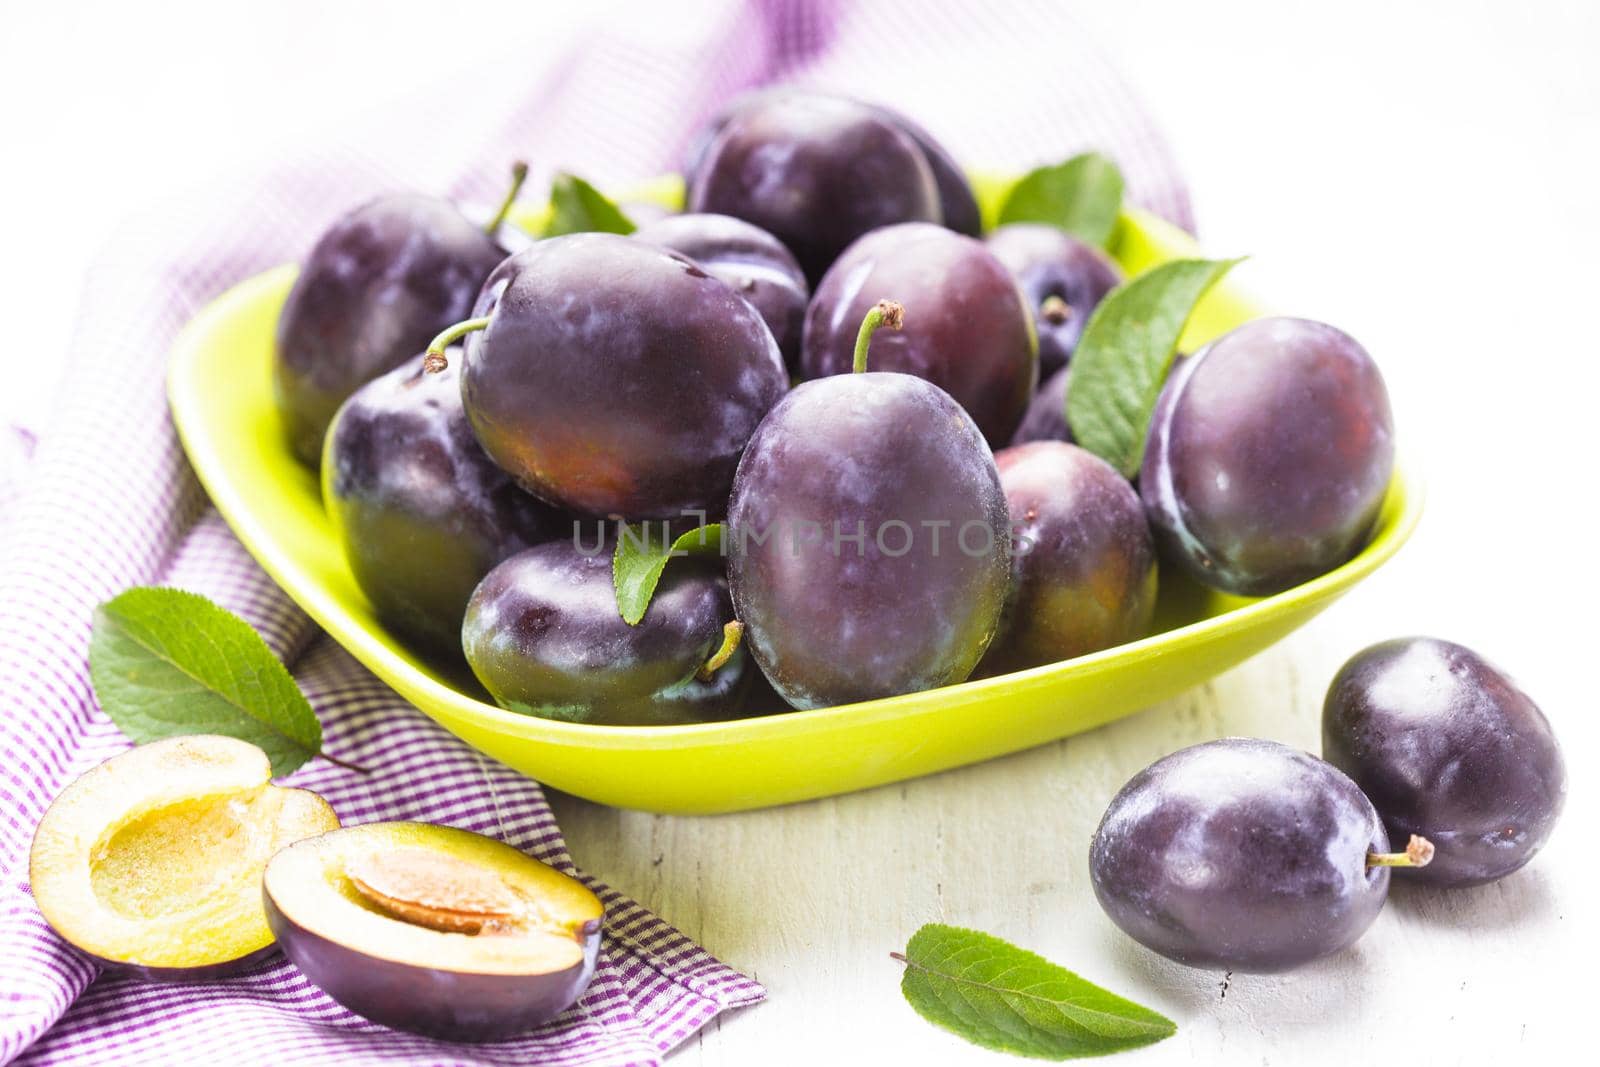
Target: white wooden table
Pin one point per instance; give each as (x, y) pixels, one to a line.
(1423, 175)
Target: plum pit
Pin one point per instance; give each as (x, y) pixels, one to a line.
(428, 888)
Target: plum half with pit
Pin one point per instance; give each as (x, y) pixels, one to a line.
(421, 513)
(151, 862)
(869, 547)
(379, 284)
(1244, 855)
(1083, 565)
(434, 930)
(814, 171)
(1449, 747)
(1064, 280)
(967, 329)
(609, 376)
(1268, 456)
(544, 636)
(748, 258)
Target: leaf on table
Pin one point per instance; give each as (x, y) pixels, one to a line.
(578, 207)
(641, 555)
(1002, 997)
(1123, 357)
(166, 662)
(1082, 196)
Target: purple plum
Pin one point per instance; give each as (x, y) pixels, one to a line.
(420, 512)
(612, 377)
(544, 636)
(1083, 566)
(1268, 456)
(967, 327)
(869, 549)
(1046, 417)
(958, 206)
(376, 288)
(1448, 747)
(748, 258)
(814, 171)
(1243, 855)
(1064, 280)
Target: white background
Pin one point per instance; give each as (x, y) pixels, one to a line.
(1424, 175)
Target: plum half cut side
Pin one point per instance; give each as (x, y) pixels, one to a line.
(434, 930)
(152, 861)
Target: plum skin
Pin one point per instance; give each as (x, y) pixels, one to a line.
(749, 259)
(853, 454)
(967, 328)
(1046, 417)
(1085, 578)
(544, 636)
(1268, 456)
(376, 288)
(958, 207)
(1450, 748)
(209, 972)
(446, 1004)
(1240, 854)
(814, 171)
(617, 378)
(957, 204)
(421, 513)
(1049, 262)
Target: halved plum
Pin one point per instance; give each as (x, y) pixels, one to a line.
(152, 861)
(433, 929)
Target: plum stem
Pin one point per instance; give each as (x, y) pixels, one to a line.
(883, 313)
(901, 956)
(1418, 853)
(434, 361)
(519, 174)
(341, 763)
(1055, 310)
(732, 634)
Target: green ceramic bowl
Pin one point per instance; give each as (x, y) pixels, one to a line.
(220, 390)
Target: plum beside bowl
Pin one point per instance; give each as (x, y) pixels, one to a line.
(219, 385)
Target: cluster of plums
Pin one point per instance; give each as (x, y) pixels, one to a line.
(877, 545)
(1248, 855)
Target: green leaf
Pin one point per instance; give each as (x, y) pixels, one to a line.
(578, 207)
(1082, 196)
(166, 662)
(1125, 353)
(1002, 997)
(641, 555)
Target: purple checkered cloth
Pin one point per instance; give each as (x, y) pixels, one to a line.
(107, 500)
